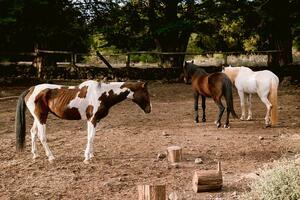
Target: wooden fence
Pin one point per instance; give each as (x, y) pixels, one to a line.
(38, 56)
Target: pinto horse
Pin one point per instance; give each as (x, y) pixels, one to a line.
(264, 83)
(213, 85)
(90, 101)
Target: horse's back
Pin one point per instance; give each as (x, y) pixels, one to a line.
(35, 91)
(255, 81)
(266, 75)
(209, 84)
(43, 98)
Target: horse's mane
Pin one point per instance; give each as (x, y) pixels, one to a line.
(195, 69)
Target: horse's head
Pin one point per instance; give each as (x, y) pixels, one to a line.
(186, 71)
(140, 95)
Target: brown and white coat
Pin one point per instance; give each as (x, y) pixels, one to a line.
(90, 101)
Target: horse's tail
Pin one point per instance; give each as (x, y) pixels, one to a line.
(228, 96)
(20, 123)
(273, 99)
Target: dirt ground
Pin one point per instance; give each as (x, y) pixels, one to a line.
(127, 143)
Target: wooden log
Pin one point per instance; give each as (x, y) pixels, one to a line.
(207, 180)
(174, 154)
(104, 60)
(152, 192)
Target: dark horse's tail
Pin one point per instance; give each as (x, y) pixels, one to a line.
(20, 123)
(227, 88)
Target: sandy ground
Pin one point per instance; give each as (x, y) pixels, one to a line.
(127, 143)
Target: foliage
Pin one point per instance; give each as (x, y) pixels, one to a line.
(50, 24)
(251, 43)
(133, 25)
(144, 58)
(192, 44)
(280, 182)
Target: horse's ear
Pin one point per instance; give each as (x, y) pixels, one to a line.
(192, 61)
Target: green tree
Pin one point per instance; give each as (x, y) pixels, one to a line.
(144, 25)
(50, 24)
(279, 24)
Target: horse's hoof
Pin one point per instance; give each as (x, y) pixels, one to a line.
(226, 126)
(51, 159)
(249, 118)
(196, 120)
(268, 126)
(34, 157)
(218, 125)
(86, 162)
(92, 155)
(203, 120)
(242, 118)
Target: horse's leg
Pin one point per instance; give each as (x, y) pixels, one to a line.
(221, 110)
(249, 107)
(43, 139)
(242, 98)
(196, 99)
(269, 107)
(89, 147)
(92, 144)
(203, 108)
(33, 132)
(227, 118)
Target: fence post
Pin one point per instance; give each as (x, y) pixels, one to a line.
(225, 59)
(128, 60)
(38, 62)
(73, 59)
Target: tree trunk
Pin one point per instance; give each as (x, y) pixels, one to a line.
(284, 56)
(175, 38)
(277, 30)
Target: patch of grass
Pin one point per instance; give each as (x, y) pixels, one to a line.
(282, 182)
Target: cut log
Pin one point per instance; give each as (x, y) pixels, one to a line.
(152, 192)
(207, 180)
(174, 154)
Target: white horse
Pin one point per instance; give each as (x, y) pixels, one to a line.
(264, 83)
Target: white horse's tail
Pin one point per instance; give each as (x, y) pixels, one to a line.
(273, 100)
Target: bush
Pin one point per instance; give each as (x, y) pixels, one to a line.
(281, 182)
(144, 58)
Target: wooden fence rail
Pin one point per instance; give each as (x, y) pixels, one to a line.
(39, 55)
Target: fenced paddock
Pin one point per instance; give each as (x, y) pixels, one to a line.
(127, 143)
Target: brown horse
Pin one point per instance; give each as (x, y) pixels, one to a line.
(213, 85)
(89, 101)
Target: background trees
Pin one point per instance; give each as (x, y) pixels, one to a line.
(48, 24)
(161, 25)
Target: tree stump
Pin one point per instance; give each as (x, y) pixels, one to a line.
(174, 154)
(152, 192)
(207, 180)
